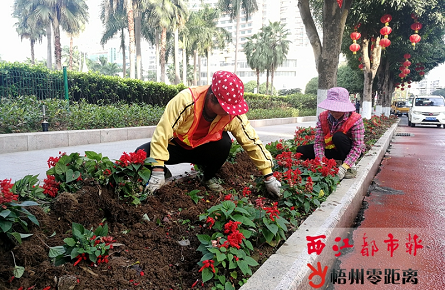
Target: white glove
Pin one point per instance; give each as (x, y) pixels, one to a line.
(273, 186)
(341, 172)
(157, 179)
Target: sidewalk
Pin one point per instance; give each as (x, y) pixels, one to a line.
(17, 165)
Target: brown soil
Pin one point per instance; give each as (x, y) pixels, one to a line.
(150, 248)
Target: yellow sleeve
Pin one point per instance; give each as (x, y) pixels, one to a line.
(247, 137)
(177, 112)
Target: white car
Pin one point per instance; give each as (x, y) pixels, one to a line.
(427, 110)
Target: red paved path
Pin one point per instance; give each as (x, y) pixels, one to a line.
(409, 200)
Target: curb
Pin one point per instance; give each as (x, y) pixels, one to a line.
(17, 142)
(287, 268)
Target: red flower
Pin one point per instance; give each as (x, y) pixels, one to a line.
(132, 158)
(52, 161)
(231, 226)
(211, 221)
(107, 172)
(260, 201)
(207, 264)
(50, 186)
(235, 239)
(279, 146)
(6, 195)
(246, 191)
(272, 211)
(228, 197)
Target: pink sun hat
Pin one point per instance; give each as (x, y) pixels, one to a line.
(229, 90)
(337, 101)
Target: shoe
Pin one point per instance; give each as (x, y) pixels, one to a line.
(213, 185)
(351, 172)
(167, 172)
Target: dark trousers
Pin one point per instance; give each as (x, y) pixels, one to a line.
(211, 156)
(343, 145)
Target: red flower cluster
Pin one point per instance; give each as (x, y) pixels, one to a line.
(259, 202)
(272, 211)
(107, 172)
(309, 184)
(246, 191)
(132, 158)
(211, 221)
(6, 195)
(231, 226)
(50, 186)
(207, 264)
(53, 160)
(235, 237)
(228, 197)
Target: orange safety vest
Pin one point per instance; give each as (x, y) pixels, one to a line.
(345, 127)
(216, 128)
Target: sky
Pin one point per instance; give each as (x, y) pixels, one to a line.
(14, 49)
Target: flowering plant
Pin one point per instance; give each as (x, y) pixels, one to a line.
(12, 213)
(235, 223)
(84, 245)
(130, 174)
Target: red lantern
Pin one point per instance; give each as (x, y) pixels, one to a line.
(418, 68)
(385, 19)
(385, 30)
(406, 63)
(421, 73)
(402, 89)
(402, 75)
(355, 35)
(415, 38)
(361, 66)
(406, 56)
(401, 68)
(406, 71)
(354, 48)
(409, 86)
(416, 26)
(385, 42)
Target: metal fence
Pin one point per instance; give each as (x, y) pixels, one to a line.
(15, 83)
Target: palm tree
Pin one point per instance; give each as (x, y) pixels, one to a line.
(204, 35)
(26, 28)
(115, 23)
(255, 50)
(112, 6)
(234, 8)
(165, 15)
(68, 14)
(275, 38)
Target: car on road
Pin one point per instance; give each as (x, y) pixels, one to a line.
(400, 107)
(427, 110)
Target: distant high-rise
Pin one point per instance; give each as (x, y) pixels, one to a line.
(295, 72)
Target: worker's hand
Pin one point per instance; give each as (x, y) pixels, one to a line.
(341, 172)
(157, 179)
(273, 186)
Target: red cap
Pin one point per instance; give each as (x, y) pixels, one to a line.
(229, 90)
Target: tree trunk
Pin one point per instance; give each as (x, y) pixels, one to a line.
(195, 65)
(176, 48)
(49, 54)
(162, 54)
(57, 45)
(267, 81)
(326, 54)
(199, 70)
(71, 53)
(130, 18)
(272, 72)
(158, 69)
(238, 20)
(138, 40)
(369, 72)
(184, 61)
(124, 60)
(385, 88)
(32, 42)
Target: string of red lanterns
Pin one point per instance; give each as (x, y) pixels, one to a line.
(385, 31)
(416, 26)
(354, 47)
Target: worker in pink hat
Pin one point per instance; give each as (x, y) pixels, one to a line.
(339, 134)
(193, 129)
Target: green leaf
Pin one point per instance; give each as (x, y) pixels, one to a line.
(16, 236)
(33, 219)
(273, 228)
(267, 235)
(5, 213)
(56, 251)
(244, 267)
(228, 286)
(93, 155)
(222, 279)
(24, 236)
(206, 275)
(144, 174)
(204, 239)
(234, 274)
(70, 242)
(18, 271)
(251, 261)
(71, 175)
(307, 206)
(101, 231)
(28, 203)
(248, 244)
(220, 256)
